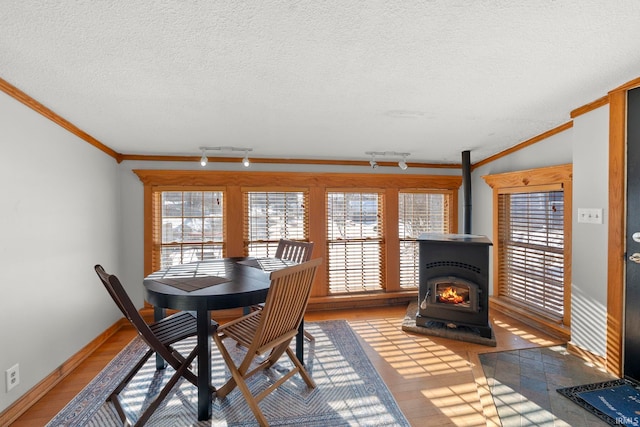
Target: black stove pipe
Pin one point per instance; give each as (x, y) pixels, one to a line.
(466, 190)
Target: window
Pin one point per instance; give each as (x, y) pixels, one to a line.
(192, 226)
(271, 216)
(418, 212)
(531, 236)
(351, 218)
(354, 240)
(532, 245)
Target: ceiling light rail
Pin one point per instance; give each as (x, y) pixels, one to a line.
(402, 163)
(245, 160)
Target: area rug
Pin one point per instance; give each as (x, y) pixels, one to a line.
(439, 329)
(617, 402)
(349, 390)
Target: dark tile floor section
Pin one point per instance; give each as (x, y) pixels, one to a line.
(524, 382)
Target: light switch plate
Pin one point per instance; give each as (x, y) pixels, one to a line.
(590, 215)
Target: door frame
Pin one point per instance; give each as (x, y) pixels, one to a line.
(617, 225)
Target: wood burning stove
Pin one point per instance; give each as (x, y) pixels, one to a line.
(454, 281)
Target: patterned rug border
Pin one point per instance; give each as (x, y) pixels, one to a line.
(571, 393)
(89, 407)
(86, 403)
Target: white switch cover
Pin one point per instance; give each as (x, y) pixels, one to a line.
(590, 215)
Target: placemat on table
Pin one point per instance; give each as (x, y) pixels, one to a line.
(267, 264)
(193, 283)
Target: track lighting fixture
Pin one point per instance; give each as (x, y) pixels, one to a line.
(402, 163)
(373, 163)
(245, 161)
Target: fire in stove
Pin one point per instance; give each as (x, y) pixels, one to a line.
(450, 296)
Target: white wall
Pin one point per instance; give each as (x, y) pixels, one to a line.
(589, 266)
(586, 146)
(59, 204)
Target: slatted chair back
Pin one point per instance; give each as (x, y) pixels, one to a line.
(293, 250)
(286, 304)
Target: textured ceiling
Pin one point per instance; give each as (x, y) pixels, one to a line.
(318, 79)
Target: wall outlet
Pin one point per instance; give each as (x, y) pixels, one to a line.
(590, 216)
(12, 376)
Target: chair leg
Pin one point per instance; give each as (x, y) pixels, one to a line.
(188, 374)
(225, 389)
(113, 397)
(253, 405)
(181, 371)
(237, 379)
(275, 354)
(309, 336)
(301, 370)
(133, 372)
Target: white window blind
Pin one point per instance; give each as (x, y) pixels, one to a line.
(418, 212)
(271, 216)
(355, 241)
(192, 226)
(531, 257)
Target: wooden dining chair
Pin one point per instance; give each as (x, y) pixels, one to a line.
(269, 330)
(159, 336)
(293, 250)
(296, 251)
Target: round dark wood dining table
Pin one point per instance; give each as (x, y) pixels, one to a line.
(211, 285)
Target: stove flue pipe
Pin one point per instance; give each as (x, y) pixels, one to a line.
(466, 190)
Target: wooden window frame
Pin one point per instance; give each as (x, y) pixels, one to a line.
(271, 245)
(157, 216)
(527, 181)
(363, 242)
(234, 183)
(413, 240)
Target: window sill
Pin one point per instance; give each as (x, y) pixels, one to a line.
(380, 299)
(556, 330)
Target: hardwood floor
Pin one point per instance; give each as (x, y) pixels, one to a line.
(431, 378)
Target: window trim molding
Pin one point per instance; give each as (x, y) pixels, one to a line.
(533, 180)
(262, 180)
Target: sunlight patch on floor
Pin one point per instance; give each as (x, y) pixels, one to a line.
(517, 410)
(525, 335)
(459, 402)
(411, 356)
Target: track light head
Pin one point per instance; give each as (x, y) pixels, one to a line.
(245, 161)
(402, 163)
